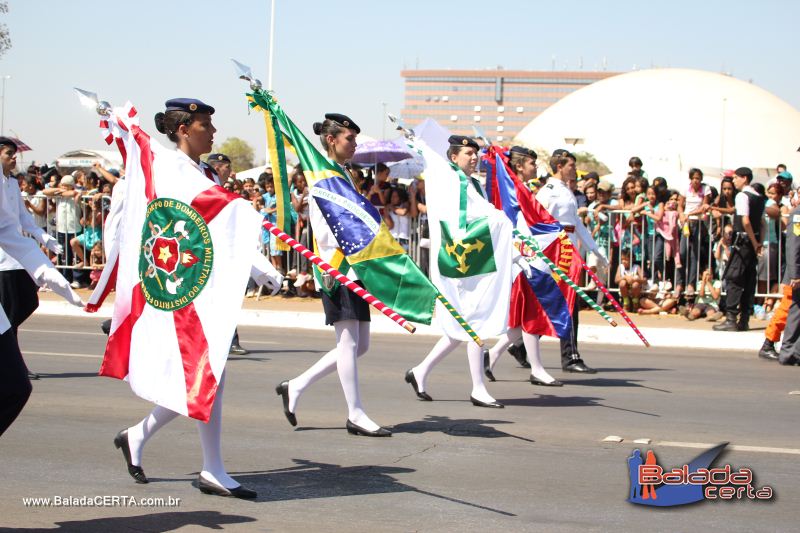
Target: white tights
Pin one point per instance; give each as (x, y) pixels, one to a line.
(352, 341)
(444, 346)
(210, 438)
(531, 346)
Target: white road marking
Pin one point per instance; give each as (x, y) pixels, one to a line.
(62, 332)
(736, 447)
(91, 356)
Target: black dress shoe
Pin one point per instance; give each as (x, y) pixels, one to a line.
(106, 326)
(767, 351)
(358, 430)
(520, 354)
(33, 375)
(283, 391)
(791, 361)
(493, 405)
(728, 325)
(578, 366)
(411, 380)
(237, 350)
(554, 383)
(486, 368)
(121, 442)
(207, 487)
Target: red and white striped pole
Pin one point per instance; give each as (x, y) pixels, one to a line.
(341, 278)
(613, 301)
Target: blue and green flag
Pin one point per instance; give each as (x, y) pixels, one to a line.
(365, 242)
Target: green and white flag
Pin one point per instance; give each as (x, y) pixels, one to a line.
(471, 249)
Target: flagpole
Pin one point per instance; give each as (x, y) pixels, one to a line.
(271, 45)
(563, 276)
(461, 322)
(613, 301)
(341, 278)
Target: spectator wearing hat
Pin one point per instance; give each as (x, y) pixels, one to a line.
(558, 199)
(740, 275)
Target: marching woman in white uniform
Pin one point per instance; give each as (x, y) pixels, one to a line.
(187, 123)
(346, 312)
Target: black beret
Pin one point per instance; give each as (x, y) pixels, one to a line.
(7, 141)
(523, 151)
(343, 120)
(560, 152)
(463, 140)
(218, 158)
(591, 176)
(190, 105)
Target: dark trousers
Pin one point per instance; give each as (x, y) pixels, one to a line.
(67, 257)
(569, 345)
(654, 256)
(740, 278)
(15, 387)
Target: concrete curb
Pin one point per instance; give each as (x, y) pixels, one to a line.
(674, 338)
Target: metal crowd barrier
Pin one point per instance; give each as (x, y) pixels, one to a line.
(696, 250)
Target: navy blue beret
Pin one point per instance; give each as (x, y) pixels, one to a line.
(190, 105)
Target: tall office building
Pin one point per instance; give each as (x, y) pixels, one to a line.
(500, 102)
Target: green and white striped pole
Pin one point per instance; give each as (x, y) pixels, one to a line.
(533, 245)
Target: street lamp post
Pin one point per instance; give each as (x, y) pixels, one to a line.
(3, 107)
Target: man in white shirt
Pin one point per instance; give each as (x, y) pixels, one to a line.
(18, 292)
(559, 200)
(15, 387)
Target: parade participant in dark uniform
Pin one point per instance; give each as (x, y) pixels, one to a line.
(221, 165)
(740, 273)
(18, 292)
(790, 348)
(557, 198)
(15, 387)
(187, 123)
(345, 311)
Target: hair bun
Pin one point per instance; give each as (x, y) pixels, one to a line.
(317, 128)
(159, 118)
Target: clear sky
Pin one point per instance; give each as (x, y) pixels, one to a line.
(346, 56)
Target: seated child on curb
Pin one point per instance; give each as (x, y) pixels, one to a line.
(706, 302)
(629, 279)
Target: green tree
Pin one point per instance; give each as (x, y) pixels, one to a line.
(589, 163)
(239, 151)
(5, 36)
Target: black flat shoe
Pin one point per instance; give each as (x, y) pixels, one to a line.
(411, 380)
(207, 487)
(121, 442)
(554, 383)
(520, 354)
(493, 405)
(358, 430)
(105, 326)
(283, 391)
(486, 368)
(237, 350)
(578, 366)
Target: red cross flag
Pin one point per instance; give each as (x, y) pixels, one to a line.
(180, 262)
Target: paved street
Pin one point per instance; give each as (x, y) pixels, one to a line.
(538, 465)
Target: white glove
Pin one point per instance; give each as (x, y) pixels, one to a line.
(56, 282)
(51, 243)
(602, 262)
(274, 282)
(522, 262)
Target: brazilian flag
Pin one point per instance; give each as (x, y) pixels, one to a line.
(368, 247)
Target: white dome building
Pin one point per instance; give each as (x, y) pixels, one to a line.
(673, 119)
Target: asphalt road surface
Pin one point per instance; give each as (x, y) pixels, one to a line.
(540, 464)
